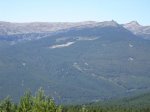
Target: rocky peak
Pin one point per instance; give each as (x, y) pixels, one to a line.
(133, 24)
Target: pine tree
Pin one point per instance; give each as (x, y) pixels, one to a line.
(26, 103)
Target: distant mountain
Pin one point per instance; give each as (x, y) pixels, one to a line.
(37, 30)
(139, 30)
(44, 29)
(89, 62)
(7, 28)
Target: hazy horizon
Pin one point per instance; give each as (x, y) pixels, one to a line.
(74, 11)
(72, 22)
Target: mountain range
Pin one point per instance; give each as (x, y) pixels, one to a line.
(44, 28)
(75, 62)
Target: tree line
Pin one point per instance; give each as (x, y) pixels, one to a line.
(42, 103)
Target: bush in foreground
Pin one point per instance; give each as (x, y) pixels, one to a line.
(28, 103)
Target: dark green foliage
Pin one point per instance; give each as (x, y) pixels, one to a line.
(140, 103)
(7, 106)
(93, 108)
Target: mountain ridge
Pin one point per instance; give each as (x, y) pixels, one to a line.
(9, 28)
(59, 25)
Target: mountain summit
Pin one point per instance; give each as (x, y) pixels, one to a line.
(110, 23)
(137, 29)
(133, 23)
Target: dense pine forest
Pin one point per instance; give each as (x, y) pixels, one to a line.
(42, 103)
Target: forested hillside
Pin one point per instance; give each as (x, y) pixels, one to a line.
(78, 65)
(138, 103)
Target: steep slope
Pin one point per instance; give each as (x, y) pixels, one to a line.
(83, 64)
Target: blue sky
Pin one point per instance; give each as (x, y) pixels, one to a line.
(121, 11)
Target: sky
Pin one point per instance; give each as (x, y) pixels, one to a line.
(122, 11)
